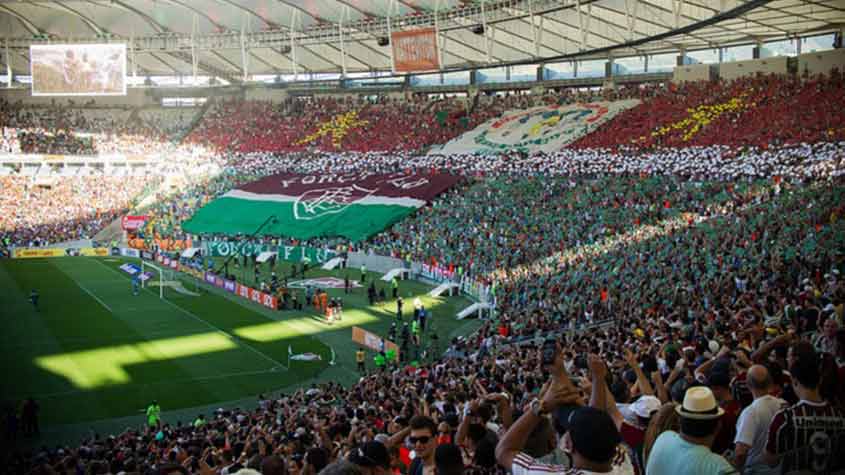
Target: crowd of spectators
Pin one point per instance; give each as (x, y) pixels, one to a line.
(69, 209)
(659, 310)
(753, 389)
(168, 121)
(382, 125)
(83, 129)
(753, 111)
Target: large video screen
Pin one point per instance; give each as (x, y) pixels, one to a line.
(78, 70)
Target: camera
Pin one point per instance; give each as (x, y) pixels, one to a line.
(549, 352)
(581, 362)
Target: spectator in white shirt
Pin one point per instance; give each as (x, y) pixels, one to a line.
(752, 427)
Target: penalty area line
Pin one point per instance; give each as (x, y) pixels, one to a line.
(92, 295)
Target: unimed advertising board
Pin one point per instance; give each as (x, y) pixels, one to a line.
(78, 70)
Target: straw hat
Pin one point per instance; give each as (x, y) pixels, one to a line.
(699, 403)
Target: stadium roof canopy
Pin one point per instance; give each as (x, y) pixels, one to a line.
(331, 36)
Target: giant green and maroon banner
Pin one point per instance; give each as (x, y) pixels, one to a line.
(354, 206)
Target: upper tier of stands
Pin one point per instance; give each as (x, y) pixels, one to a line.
(761, 111)
(751, 111)
(332, 124)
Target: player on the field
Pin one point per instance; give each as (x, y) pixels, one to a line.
(136, 284)
(33, 299)
(153, 414)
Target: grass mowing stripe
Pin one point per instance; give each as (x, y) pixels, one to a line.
(171, 381)
(93, 341)
(237, 341)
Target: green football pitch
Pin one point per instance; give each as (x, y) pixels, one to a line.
(92, 351)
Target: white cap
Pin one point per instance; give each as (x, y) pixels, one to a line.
(646, 406)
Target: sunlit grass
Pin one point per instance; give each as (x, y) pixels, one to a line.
(289, 328)
(106, 366)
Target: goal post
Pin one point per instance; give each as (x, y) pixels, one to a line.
(165, 277)
(158, 270)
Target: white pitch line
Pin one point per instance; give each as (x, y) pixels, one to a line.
(95, 297)
(237, 341)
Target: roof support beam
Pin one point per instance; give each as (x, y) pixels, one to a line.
(224, 59)
(272, 67)
(390, 36)
(677, 9)
(344, 14)
(169, 66)
(351, 56)
(473, 48)
(583, 25)
(197, 11)
(88, 22)
(158, 27)
(244, 56)
(8, 63)
(541, 32)
(297, 8)
(467, 60)
(30, 26)
(631, 16)
(438, 39)
(534, 37)
(323, 58)
(250, 11)
(364, 13)
(293, 64)
(488, 49)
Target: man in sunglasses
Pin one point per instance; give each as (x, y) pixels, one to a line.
(423, 431)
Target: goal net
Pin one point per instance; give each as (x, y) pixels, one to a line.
(165, 279)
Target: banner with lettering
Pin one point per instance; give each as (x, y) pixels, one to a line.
(355, 205)
(308, 254)
(233, 248)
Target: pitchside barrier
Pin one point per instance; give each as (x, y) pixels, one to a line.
(231, 286)
(41, 252)
(374, 262)
(434, 275)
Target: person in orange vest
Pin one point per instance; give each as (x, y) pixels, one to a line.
(324, 301)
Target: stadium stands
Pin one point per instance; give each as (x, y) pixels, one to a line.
(325, 124)
(694, 241)
(72, 208)
(762, 111)
(170, 121)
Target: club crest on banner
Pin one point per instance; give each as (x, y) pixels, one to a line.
(314, 204)
(538, 129)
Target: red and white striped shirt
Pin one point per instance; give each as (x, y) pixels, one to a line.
(524, 464)
(809, 436)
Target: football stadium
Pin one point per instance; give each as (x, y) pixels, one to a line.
(422, 237)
